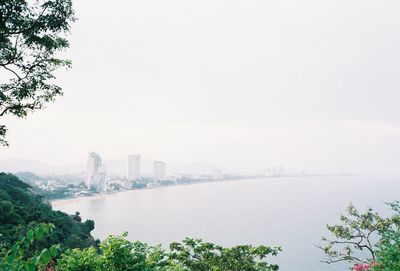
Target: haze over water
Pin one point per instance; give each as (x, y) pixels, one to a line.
(312, 85)
(289, 212)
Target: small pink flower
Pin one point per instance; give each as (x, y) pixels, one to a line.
(362, 267)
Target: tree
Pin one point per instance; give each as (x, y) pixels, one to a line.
(357, 236)
(196, 255)
(31, 35)
(118, 254)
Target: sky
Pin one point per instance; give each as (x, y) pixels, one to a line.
(312, 85)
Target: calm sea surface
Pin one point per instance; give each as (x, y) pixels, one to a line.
(290, 212)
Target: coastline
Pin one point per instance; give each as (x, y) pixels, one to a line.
(61, 202)
(65, 201)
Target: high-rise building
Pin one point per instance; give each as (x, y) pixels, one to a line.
(101, 182)
(133, 173)
(159, 170)
(93, 171)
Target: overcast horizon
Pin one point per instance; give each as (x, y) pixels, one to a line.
(311, 85)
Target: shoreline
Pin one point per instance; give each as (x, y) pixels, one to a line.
(61, 202)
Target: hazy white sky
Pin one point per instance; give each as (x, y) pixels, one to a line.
(246, 84)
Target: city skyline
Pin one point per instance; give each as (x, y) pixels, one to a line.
(119, 166)
(95, 169)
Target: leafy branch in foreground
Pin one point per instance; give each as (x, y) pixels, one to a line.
(31, 34)
(356, 237)
(17, 258)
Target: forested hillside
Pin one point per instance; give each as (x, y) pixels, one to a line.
(22, 208)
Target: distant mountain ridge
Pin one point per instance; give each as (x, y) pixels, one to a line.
(15, 165)
(25, 165)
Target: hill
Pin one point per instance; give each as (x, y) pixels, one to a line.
(21, 208)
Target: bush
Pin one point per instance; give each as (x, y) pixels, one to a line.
(118, 254)
(18, 257)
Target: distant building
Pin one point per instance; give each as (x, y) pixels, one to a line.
(217, 174)
(95, 178)
(153, 185)
(273, 171)
(133, 173)
(281, 171)
(159, 170)
(101, 183)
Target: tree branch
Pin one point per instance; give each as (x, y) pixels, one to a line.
(8, 69)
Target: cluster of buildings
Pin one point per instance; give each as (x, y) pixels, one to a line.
(96, 175)
(275, 171)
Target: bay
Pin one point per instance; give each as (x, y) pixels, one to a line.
(287, 212)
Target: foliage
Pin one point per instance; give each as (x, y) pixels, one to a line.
(118, 254)
(193, 254)
(388, 250)
(357, 236)
(366, 232)
(21, 208)
(388, 253)
(76, 259)
(18, 257)
(31, 34)
(57, 193)
(29, 177)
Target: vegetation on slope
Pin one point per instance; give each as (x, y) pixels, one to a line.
(21, 208)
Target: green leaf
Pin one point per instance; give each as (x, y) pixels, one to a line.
(53, 251)
(44, 257)
(29, 266)
(30, 236)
